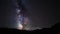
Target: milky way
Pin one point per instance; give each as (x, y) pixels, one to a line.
(22, 21)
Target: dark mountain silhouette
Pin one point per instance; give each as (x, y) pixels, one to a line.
(55, 28)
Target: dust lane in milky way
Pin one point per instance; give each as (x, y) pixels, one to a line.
(22, 21)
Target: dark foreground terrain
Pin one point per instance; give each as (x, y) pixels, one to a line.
(54, 29)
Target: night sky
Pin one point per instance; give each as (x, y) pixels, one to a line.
(41, 13)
